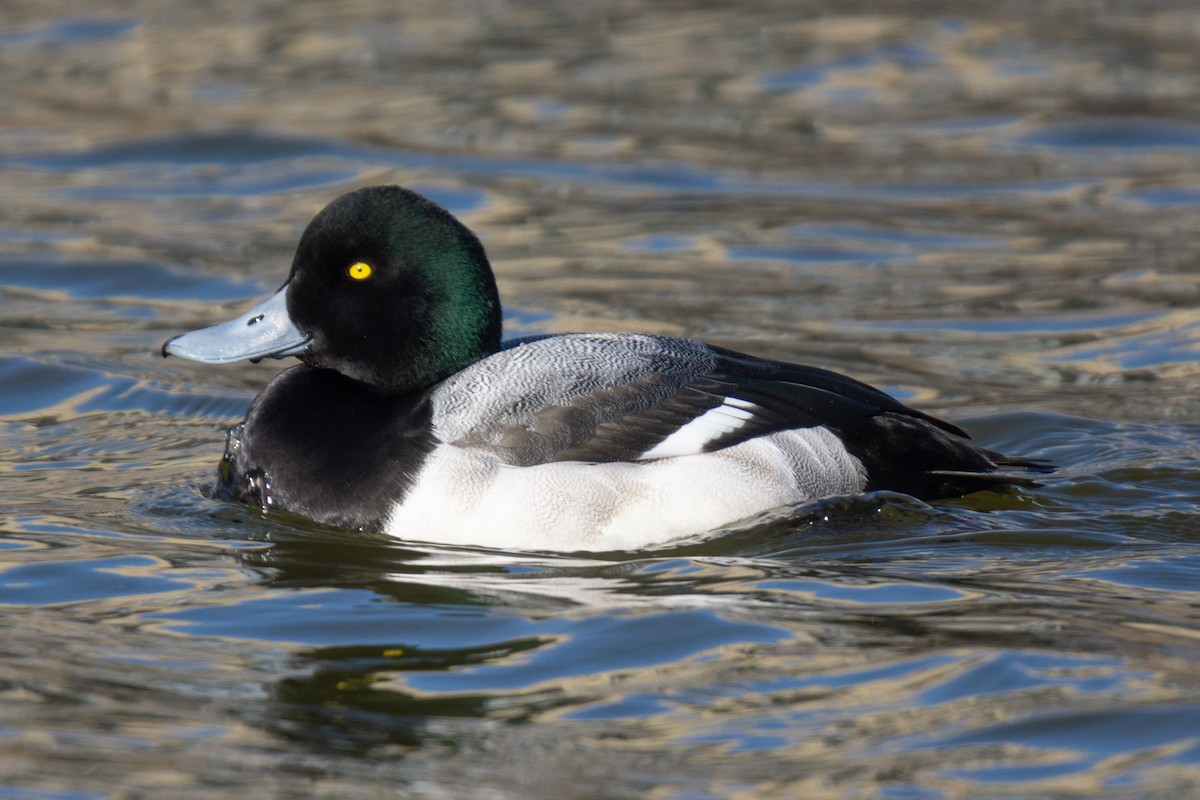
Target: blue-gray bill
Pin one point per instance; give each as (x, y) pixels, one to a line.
(265, 331)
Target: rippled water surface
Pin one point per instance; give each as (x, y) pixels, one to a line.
(990, 210)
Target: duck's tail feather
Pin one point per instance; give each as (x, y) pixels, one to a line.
(908, 454)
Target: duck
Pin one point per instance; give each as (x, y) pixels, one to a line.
(409, 416)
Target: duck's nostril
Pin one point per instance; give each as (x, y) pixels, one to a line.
(255, 320)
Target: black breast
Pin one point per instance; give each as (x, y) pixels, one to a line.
(324, 446)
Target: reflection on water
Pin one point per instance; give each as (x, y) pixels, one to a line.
(990, 212)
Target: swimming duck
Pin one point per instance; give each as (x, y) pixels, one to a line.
(409, 416)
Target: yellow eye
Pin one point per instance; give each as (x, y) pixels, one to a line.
(359, 271)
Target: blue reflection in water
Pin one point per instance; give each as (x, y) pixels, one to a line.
(1061, 324)
(907, 593)
(810, 254)
(909, 55)
(32, 385)
(561, 647)
(1181, 346)
(106, 279)
(659, 243)
(70, 30)
(69, 581)
(1078, 740)
(1166, 196)
(251, 163)
(1115, 132)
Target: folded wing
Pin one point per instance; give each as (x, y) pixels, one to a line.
(616, 397)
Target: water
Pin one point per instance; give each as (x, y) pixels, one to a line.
(987, 209)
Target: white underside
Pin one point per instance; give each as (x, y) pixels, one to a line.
(467, 497)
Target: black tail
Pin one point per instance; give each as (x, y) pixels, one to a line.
(911, 455)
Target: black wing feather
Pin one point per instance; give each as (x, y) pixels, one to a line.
(782, 397)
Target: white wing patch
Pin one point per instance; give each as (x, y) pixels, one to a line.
(709, 426)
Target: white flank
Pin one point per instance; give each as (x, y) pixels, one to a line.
(466, 497)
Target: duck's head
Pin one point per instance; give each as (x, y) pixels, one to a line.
(386, 288)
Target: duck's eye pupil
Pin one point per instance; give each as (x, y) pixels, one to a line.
(359, 271)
